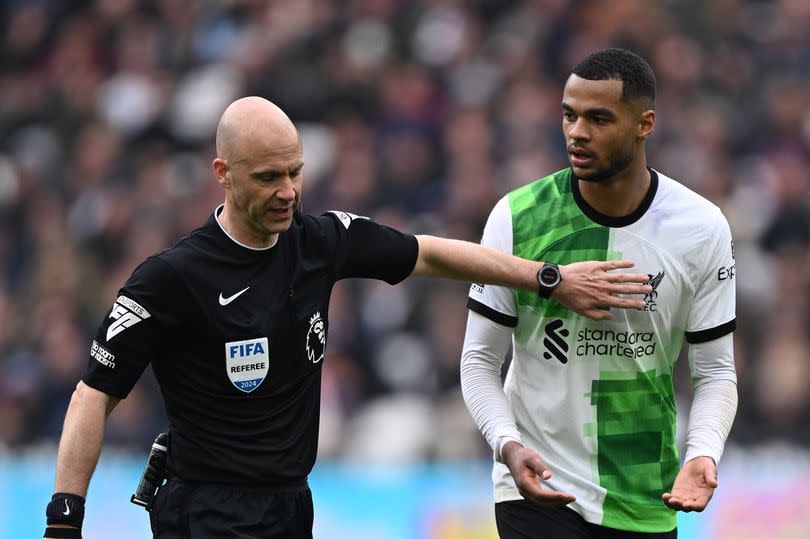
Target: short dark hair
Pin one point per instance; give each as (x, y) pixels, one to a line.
(638, 79)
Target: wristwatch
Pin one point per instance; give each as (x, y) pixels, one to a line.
(548, 278)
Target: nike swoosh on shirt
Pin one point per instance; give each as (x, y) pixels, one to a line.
(224, 301)
(67, 509)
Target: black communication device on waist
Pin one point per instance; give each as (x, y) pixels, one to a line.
(154, 473)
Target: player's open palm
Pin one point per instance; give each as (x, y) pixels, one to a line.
(527, 470)
(694, 486)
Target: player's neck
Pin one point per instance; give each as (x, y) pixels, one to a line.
(621, 195)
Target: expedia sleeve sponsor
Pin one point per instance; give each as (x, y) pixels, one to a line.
(713, 309)
(726, 272)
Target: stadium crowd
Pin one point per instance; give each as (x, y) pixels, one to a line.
(419, 114)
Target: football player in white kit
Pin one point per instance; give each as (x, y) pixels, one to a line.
(583, 428)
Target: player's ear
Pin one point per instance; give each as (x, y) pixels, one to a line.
(646, 124)
(222, 172)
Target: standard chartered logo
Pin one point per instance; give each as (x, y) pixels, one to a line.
(607, 342)
(592, 344)
(555, 341)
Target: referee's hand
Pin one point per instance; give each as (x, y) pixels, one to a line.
(527, 470)
(590, 288)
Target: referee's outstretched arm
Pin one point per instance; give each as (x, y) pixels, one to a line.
(587, 288)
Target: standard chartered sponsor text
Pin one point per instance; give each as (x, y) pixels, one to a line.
(607, 342)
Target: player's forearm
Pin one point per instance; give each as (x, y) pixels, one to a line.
(485, 345)
(488, 406)
(587, 288)
(80, 445)
(714, 406)
(714, 403)
(470, 262)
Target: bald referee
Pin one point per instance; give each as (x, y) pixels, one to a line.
(233, 319)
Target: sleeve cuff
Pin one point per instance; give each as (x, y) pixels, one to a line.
(502, 442)
(694, 452)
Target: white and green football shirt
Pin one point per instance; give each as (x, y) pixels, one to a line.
(595, 399)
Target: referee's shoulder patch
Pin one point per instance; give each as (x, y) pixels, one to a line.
(345, 217)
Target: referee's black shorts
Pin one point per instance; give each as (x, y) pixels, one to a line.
(192, 510)
(520, 519)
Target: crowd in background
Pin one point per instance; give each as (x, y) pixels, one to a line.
(419, 114)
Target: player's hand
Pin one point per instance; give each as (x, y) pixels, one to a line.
(526, 467)
(694, 486)
(588, 288)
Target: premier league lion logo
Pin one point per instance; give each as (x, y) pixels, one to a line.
(316, 338)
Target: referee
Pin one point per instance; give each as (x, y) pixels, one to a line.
(233, 319)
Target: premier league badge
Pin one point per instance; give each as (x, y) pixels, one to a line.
(316, 338)
(247, 363)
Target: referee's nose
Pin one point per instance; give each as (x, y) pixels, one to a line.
(286, 190)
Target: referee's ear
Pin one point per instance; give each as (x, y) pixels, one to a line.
(222, 170)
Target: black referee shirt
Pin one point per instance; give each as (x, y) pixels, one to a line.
(236, 339)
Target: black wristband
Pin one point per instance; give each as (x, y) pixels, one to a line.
(63, 533)
(66, 508)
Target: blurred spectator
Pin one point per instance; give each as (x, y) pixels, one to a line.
(418, 113)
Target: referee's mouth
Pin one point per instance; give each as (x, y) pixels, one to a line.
(282, 213)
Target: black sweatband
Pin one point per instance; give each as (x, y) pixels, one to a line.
(63, 533)
(65, 508)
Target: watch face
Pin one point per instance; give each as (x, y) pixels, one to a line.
(549, 276)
